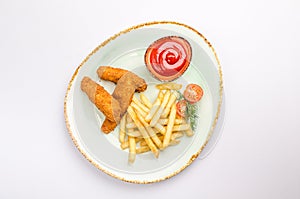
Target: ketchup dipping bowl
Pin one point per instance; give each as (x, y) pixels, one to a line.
(168, 58)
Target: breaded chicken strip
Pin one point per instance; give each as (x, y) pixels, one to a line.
(108, 126)
(126, 86)
(114, 74)
(125, 89)
(110, 73)
(109, 106)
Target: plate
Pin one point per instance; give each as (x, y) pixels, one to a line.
(126, 50)
(217, 132)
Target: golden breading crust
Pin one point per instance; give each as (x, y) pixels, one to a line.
(108, 126)
(114, 74)
(109, 106)
(110, 74)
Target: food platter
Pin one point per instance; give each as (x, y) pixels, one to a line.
(126, 50)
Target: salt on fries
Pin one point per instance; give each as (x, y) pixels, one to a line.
(153, 126)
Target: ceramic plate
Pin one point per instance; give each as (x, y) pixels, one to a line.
(126, 50)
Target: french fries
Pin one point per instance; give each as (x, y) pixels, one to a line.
(176, 135)
(181, 127)
(139, 109)
(130, 125)
(150, 131)
(159, 111)
(140, 105)
(132, 149)
(153, 126)
(169, 86)
(122, 133)
(145, 100)
(160, 95)
(125, 144)
(171, 101)
(134, 133)
(165, 121)
(189, 132)
(142, 149)
(170, 126)
(160, 128)
(153, 110)
(143, 131)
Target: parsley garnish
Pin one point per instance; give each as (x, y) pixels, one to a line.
(190, 112)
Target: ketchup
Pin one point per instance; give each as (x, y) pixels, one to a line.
(168, 57)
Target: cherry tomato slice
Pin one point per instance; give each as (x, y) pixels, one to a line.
(181, 108)
(193, 93)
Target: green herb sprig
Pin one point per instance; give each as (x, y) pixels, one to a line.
(190, 112)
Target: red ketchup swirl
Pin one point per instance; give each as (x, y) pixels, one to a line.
(168, 58)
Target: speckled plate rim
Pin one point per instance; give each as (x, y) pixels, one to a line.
(215, 120)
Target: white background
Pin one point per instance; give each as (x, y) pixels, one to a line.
(257, 41)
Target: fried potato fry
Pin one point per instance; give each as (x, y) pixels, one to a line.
(139, 104)
(142, 149)
(154, 137)
(170, 126)
(164, 121)
(143, 131)
(134, 133)
(153, 110)
(150, 131)
(132, 149)
(174, 142)
(138, 109)
(143, 142)
(122, 133)
(125, 144)
(181, 127)
(176, 135)
(130, 125)
(160, 128)
(160, 109)
(128, 118)
(145, 101)
(171, 101)
(155, 106)
(189, 132)
(169, 86)
(160, 95)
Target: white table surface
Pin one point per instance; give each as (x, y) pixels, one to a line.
(258, 44)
